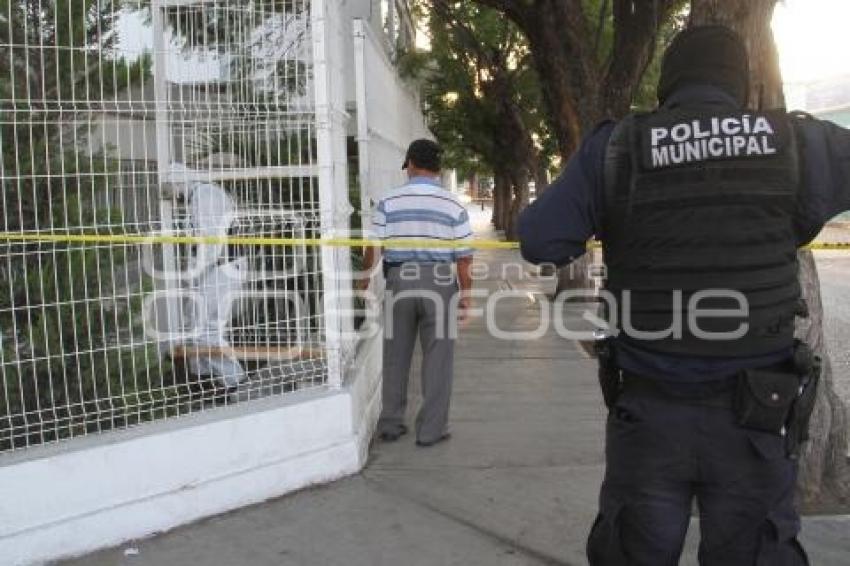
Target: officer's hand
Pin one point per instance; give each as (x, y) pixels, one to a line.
(362, 283)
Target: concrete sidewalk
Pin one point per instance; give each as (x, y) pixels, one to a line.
(516, 484)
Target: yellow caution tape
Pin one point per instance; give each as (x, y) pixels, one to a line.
(594, 245)
(828, 246)
(164, 239)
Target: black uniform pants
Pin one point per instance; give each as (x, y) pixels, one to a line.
(662, 452)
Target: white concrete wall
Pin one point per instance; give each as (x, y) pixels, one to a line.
(76, 497)
(365, 388)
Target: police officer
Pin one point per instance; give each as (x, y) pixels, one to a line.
(701, 206)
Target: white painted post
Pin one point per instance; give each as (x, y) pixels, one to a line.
(360, 39)
(324, 143)
(391, 27)
(163, 165)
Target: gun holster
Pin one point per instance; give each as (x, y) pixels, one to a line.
(809, 367)
(780, 400)
(610, 376)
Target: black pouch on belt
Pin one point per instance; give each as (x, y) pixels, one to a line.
(764, 399)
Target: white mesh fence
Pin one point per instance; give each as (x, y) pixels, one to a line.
(201, 118)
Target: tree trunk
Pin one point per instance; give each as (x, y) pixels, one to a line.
(473, 186)
(823, 467)
(565, 63)
(751, 19)
(501, 200)
(520, 179)
(494, 217)
(581, 86)
(541, 176)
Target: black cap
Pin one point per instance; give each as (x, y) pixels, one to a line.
(424, 154)
(711, 55)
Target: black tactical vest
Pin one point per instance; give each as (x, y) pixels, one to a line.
(699, 216)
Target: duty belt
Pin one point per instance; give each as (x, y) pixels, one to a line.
(720, 395)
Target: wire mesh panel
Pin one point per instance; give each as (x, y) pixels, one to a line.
(168, 119)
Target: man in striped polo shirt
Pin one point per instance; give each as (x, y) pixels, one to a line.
(424, 296)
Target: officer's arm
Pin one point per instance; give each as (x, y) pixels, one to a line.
(826, 175)
(556, 227)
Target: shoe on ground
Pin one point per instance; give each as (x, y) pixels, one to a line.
(433, 442)
(392, 436)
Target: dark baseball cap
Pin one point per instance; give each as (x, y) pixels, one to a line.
(425, 154)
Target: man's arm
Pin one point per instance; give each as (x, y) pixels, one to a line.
(463, 260)
(464, 280)
(556, 227)
(464, 273)
(826, 175)
(371, 256)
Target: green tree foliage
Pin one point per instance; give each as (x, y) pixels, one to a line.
(455, 76)
(478, 60)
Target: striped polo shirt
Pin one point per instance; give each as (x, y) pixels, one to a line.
(423, 210)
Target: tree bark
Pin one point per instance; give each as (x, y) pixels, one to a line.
(514, 148)
(520, 179)
(580, 86)
(751, 19)
(823, 466)
(564, 60)
(501, 200)
(541, 175)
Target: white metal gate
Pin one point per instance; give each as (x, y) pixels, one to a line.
(233, 121)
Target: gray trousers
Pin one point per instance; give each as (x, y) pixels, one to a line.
(417, 302)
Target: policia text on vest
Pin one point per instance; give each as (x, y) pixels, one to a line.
(709, 138)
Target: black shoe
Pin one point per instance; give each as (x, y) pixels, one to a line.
(433, 442)
(387, 436)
